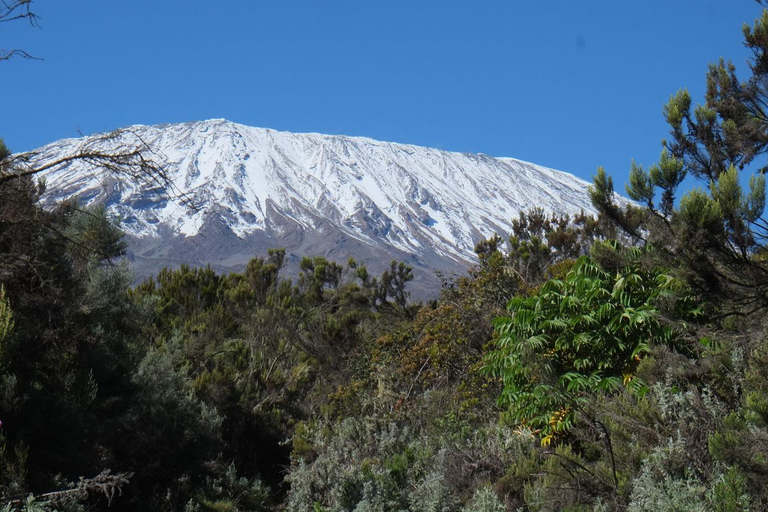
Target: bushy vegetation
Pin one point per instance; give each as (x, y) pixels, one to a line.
(586, 364)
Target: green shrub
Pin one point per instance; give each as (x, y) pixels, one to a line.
(584, 334)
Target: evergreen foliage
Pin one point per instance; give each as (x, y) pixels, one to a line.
(712, 236)
(566, 371)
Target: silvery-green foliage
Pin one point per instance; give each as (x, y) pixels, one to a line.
(335, 477)
(738, 363)
(371, 464)
(688, 416)
(687, 406)
(667, 494)
(373, 500)
(170, 392)
(431, 493)
(665, 486)
(167, 414)
(105, 287)
(301, 479)
(485, 500)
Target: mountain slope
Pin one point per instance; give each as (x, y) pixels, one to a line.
(314, 194)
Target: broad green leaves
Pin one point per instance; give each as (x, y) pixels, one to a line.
(580, 335)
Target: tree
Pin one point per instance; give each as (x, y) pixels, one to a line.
(392, 284)
(66, 360)
(731, 128)
(716, 236)
(539, 241)
(66, 355)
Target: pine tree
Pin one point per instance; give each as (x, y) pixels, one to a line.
(716, 235)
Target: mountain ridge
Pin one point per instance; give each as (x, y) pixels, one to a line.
(336, 195)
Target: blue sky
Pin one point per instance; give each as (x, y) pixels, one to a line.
(566, 84)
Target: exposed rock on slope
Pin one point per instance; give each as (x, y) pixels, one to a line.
(314, 195)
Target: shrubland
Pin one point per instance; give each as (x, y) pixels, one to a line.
(615, 362)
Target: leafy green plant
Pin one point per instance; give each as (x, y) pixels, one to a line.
(583, 334)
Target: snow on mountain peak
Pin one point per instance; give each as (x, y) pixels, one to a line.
(415, 199)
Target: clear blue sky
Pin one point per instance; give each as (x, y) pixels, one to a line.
(566, 84)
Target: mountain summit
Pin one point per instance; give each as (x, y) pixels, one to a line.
(313, 194)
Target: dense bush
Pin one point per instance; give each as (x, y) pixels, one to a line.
(375, 463)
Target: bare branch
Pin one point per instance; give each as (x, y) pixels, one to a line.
(121, 153)
(14, 10)
(9, 54)
(18, 10)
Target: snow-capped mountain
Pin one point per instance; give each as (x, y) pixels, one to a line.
(313, 194)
